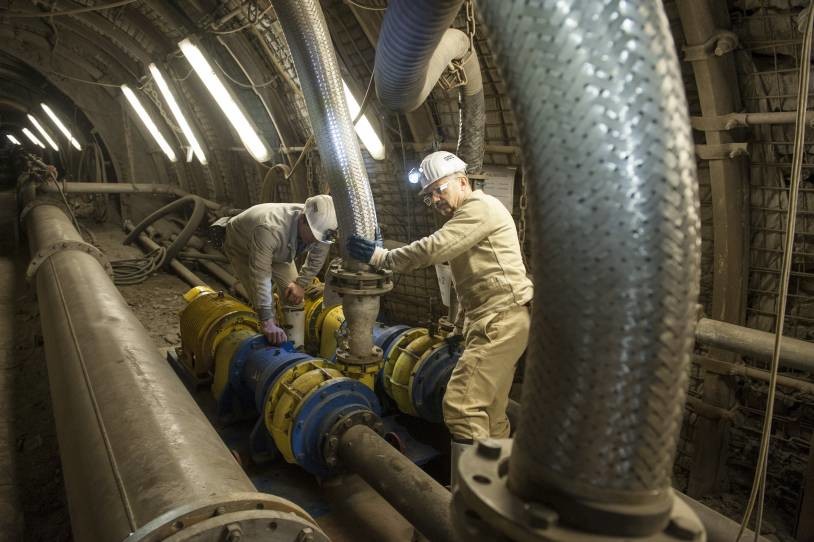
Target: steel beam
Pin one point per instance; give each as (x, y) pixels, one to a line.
(703, 21)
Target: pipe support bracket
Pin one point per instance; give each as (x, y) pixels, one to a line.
(43, 254)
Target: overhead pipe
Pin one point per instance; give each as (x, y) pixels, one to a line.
(794, 353)
(609, 150)
(125, 188)
(133, 443)
(415, 46)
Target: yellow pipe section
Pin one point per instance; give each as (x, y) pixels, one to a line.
(208, 319)
(287, 394)
(400, 377)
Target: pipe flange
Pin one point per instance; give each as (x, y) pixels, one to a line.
(347, 282)
(485, 509)
(251, 514)
(344, 357)
(330, 447)
(43, 201)
(42, 255)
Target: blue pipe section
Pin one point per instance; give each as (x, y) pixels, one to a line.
(319, 412)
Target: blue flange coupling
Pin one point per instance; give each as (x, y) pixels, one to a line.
(328, 409)
(428, 381)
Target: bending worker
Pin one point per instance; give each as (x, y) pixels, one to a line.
(480, 242)
(262, 242)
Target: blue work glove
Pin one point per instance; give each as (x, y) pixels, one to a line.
(362, 249)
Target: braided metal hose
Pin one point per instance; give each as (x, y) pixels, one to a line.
(608, 147)
(310, 42)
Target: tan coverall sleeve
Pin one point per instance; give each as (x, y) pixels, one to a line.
(261, 255)
(313, 263)
(463, 231)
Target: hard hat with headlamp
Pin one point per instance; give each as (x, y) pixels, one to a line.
(436, 166)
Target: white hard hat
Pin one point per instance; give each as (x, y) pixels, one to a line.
(321, 216)
(437, 166)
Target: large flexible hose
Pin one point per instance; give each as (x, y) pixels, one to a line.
(415, 46)
(198, 212)
(604, 122)
(315, 60)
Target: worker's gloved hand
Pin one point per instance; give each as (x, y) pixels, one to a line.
(367, 250)
(294, 293)
(274, 333)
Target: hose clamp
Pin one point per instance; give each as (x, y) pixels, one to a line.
(42, 255)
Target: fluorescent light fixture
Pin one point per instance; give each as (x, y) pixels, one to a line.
(363, 128)
(190, 153)
(42, 132)
(13, 139)
(148, 123)
(176, 112)
(32, 137)
(248, 135)
(61, 127)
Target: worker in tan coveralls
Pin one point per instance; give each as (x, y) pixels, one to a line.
(480, 243)
(262, 242)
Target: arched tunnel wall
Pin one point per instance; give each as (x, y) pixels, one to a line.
(79, 60)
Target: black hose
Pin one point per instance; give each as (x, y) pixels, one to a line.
(603, 119)
(198, 213)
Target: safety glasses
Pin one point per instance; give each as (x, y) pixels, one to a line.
(437, 191)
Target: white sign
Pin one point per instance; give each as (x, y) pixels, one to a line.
(499, 182)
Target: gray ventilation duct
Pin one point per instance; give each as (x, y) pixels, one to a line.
(416, 44)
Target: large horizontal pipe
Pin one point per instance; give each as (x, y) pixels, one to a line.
(123, 188)
(410, 490)
(794, 353)
(139, 458)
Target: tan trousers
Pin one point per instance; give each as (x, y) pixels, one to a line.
(478, 390)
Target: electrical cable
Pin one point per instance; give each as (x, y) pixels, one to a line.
(136, 270)
(370, 8)
(72, 78)
(757, 494)
(34, 14)
(242, 27)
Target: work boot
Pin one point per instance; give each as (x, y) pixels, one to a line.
(456, 449)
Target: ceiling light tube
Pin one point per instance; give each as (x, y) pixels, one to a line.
(62, 128)
(176, 112)
(13, 139)
(231, 109)
(32, 137)
(42, 132)
(363, 127)
(148, 122)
